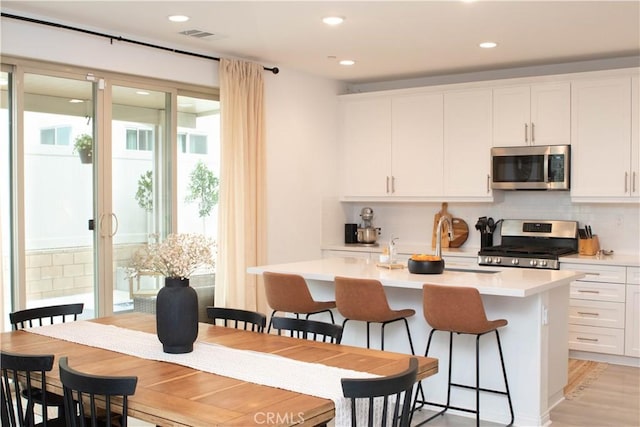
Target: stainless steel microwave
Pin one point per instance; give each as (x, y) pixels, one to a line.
(543, 167)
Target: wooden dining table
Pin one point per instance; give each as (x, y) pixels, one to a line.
(170, 394)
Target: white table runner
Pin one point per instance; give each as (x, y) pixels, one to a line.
(260, 368)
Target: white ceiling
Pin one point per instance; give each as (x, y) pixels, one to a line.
(389, 40)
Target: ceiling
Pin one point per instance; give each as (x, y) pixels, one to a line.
(389, 40)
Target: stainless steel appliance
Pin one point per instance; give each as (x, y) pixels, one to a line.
(544, 167)
(532, 244)
(367, 233)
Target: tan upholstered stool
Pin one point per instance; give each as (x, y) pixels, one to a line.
(289, 293)
(365, 300)
(460, 310)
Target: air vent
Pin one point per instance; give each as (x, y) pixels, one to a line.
(197, 34)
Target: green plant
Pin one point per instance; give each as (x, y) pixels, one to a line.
(144, 194)
(82, 142)
(203, 188)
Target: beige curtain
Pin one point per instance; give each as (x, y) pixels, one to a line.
(241, 230)
(2, 265)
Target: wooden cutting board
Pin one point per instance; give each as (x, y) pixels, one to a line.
(460, 233)
(445, 229)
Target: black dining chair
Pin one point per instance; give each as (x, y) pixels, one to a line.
(40, 316)
(111, 392)
(19, 373)
(393, 393)
(237, 318)
(308, 329)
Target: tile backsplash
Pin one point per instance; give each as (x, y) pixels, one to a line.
(617, 225)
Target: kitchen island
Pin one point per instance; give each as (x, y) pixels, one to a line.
(535, 302)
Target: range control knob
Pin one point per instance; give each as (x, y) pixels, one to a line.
(533, 263)
(488, 259)
(498, 260)
(515, 261)
(543, 263)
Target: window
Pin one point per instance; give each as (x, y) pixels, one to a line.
(139, 139)
(193, 143)
(182, 142)
(198, 144)
(60, 135)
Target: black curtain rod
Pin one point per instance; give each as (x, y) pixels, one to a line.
(274, 70)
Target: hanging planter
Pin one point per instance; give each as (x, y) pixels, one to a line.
(83, 145)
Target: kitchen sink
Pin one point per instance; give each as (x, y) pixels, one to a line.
(470, 270)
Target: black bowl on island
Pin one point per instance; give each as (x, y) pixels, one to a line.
(425, 267)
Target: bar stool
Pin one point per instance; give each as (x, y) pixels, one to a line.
(289, 293)
(460, 310)
(365, 300)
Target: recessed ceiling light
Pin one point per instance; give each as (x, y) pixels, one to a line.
(333, 20)
(488, 45)
(76, 101)
(142, 92)
(347, 62)
(178, 18)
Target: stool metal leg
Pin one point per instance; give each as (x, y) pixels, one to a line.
(477, 380)
(506, 383)
(477, 387)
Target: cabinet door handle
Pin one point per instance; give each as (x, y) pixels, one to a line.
(533, 133)
(526, 133)
(587, 339)
(626, 182)
(633, 182)
(488, 183)
(393, 184)
(387, 185)
(591, 274)
(588, 313)
(588, 291)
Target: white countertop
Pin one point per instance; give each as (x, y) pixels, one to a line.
(619, 259)
(512, 282)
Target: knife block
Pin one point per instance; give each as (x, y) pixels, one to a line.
(589, 246)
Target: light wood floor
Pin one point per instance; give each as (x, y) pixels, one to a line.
(611, 400)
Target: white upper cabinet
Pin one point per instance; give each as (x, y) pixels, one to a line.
(392, 147)
(532, 115)
(604, 151)
(417, 145)
(635, 138)
(366, 143)
(467, 144)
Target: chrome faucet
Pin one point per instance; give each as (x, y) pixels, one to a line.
(443, 219)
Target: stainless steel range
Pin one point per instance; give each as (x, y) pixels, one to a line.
(532, 244)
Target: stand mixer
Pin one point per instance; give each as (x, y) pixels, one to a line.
(367, 233)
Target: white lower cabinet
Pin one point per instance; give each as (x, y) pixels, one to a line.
(597, 309)
(632, 323)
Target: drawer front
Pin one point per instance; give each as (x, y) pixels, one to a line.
(596, 313)
(613, 292)
(598, 273)
(598, 340)
(633, 275)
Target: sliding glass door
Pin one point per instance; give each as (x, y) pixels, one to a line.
(57, 173)
(140, 182)
(94, 168)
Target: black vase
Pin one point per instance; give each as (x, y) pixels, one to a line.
(177, 316)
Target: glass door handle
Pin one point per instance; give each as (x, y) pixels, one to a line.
(115, 220)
